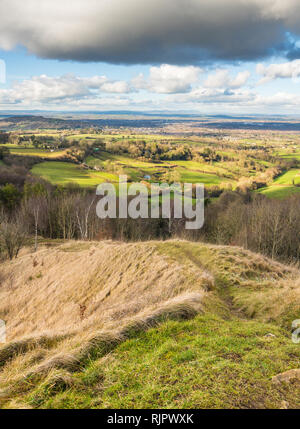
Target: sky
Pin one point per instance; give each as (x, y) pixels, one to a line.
(198, 56)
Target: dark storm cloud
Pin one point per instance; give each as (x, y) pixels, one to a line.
(156, 31)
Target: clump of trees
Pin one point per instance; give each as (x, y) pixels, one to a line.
(258, 181)
(255, 222)
(4, 151)
(4, 137)
(149, 150)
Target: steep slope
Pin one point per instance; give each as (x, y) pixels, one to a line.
(88, 322)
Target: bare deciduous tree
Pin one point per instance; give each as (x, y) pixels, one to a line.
(13, 237)
(83, 212)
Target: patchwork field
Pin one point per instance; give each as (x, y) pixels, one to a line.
(113, 165)
(216, 160)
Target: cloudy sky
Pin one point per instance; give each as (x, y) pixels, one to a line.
(206, 56)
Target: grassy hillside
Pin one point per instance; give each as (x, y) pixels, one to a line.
(156, 324)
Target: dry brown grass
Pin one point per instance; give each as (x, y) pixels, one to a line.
(254, 284)
(262, 288)
(63, 304)
(82, 287)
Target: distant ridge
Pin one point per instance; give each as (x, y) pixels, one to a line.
(76, 120)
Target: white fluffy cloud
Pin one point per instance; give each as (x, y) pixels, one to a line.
(168, 79)
(222, 79)
(167, 87)
(215, 96)
(237, 101)
(156, 31)
(117, 87)
(52, 90)
(274, 71)
(163, 80)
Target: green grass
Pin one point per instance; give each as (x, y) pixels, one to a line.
(279, 192)
(291, 155)
(283, 187)
(204, 363)
(190, 176)
(207, 362)
(287, 178)
(84, 137)
(62, 173)
(94, 162)
(119, 137)
(126, 160)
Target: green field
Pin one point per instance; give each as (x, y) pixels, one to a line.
(283, 187)
(190, 176)
(120, 136)
(134, 169)
(279, 192)
(293, 155)
(62, 173)
(287, 178)
(31, 151)
(184, 171)
(106, 157)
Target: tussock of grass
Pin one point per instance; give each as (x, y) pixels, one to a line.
(22, 346)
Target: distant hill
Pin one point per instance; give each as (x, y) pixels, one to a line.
(144, 120)
(147, 325)
(32, 122)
